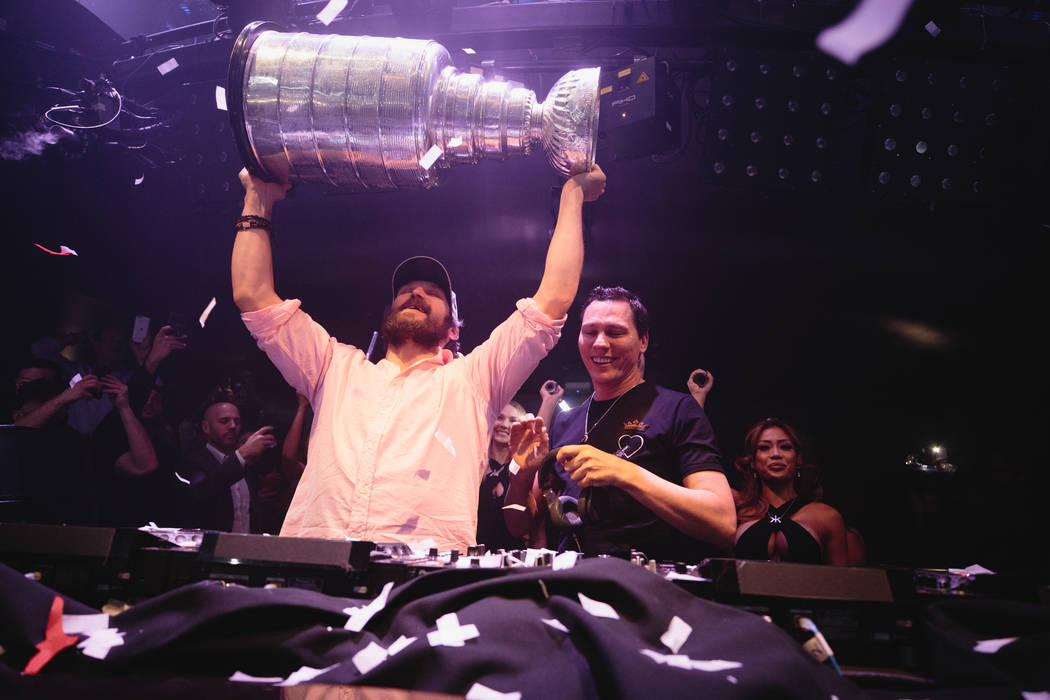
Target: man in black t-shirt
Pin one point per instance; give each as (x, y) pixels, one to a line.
(637, 462)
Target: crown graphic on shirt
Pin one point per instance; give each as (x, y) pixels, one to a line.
(635, 425)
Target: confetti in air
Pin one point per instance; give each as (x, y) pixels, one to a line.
(331, 11)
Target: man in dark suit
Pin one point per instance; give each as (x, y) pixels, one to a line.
(214, 475)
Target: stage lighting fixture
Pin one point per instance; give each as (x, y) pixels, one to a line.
(943, 129)
(774, 120)
(640, 109)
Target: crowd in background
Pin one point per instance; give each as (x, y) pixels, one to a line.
(95, 441)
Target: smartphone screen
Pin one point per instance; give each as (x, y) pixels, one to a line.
(140, 330)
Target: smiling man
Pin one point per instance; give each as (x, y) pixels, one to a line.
(398, 448)
(639, 462)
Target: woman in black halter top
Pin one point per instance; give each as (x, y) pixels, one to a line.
(777, 517)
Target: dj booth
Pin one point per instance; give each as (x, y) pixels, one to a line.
(207, 608)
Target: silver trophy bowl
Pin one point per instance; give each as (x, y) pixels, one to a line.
(364, 113)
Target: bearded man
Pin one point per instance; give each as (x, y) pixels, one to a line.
(398, 447)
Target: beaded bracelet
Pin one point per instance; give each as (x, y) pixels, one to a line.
(245, 223)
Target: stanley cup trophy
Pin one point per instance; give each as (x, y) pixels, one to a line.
(364, 113)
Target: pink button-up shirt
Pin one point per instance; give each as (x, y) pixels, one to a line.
(397, 455)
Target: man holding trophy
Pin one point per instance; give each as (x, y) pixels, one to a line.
(398, 447)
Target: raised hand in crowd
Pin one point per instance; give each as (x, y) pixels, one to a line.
(116, 390)
(528, 444)
(258, 442)
(164, 344)
(699, 384)
(550, 394)
(141, 457)
(42, 416)
(292, 462)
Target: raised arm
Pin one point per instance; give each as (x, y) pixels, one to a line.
(252, 262)
(41, 416)
(561, 274)
(291, 467)
(528, 444)
(700, 383)
(550, 394)
(141, 457)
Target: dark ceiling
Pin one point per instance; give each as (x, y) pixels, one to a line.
(878, 319)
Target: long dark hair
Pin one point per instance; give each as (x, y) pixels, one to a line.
(748, 498)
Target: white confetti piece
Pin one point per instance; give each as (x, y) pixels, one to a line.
(168, 66)
(139, 179)
(556, 624)
(977, 569)
(180, 478)
(513, 467)
(1035, 695)
(991, 646)
(207, 312)
(870, 25)
(99, 642)
(76, 380)
(565, 560)
(369, 657)
(597, 607)
(455, 141)
(66, 250)
(239, 677)
(678, 661)
(373, 655)
(84, 624)
(430, 157)
(734, 681)
(450, 633)
(469, 51)
(359, 617)
(677, 632)
(446, 441)
(331, 11)
(220, 97)
(715, 665)
(932, 28)
(399, 645)
(675, 576)
(515, 506)
(305, 674)
(481, 692)
(683, 661)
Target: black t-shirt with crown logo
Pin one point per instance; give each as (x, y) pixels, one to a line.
(664, 431)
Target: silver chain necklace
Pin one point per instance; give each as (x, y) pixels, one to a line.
(782, 514)
(587, 415)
